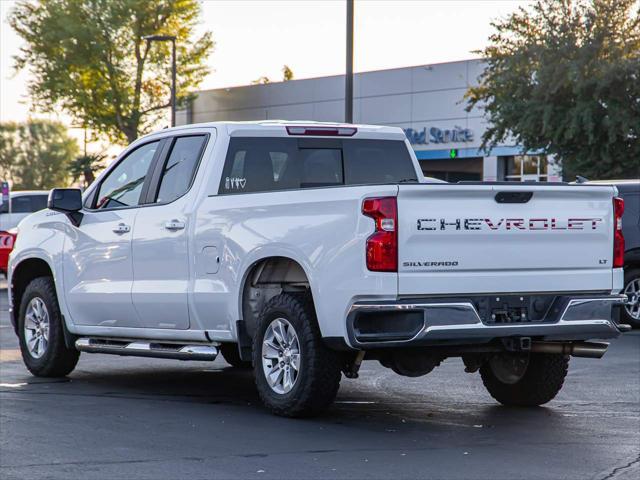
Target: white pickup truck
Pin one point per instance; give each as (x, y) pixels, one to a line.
(302, 249)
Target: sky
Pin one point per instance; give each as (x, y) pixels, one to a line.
(256, 38)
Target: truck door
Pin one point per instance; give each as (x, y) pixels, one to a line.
(98, 268)
(161, 262)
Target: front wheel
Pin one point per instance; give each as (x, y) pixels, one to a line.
(524, 379)
(42, 333)
(296, 374)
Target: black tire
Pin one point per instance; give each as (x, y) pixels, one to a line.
(57, 360)
(231, 355)
(319, 371)
(541, 382)
(630, 274)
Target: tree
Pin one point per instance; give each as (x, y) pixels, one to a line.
(263, 80)
(88, 57)
(36, 154)
(563, 77)
(84, 167)
(287, 73)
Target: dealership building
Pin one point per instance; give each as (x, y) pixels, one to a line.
(426, 101)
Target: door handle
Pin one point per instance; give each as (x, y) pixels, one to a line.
(122, 228)
(174, 225)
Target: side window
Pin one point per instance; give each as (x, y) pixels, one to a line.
(28, 203)
(259, 165)
(39, 202)
(123, 185)
(21, 204)
(180, 168)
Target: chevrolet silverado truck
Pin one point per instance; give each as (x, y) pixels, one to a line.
(301, 249)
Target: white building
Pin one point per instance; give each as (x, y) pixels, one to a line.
(427, 101)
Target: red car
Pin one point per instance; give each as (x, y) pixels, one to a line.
(7, 239)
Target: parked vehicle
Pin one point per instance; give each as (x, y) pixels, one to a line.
(23, 203)
(7, 240)
(303, 249)
(629, 190)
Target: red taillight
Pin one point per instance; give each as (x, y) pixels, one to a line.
(618, 237)
(382, 245)
(322, 131)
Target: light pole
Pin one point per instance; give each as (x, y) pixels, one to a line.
(172, 39)
(348, 83)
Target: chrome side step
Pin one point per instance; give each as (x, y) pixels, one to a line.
(147, 349)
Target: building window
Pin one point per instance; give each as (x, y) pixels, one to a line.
(459, 170)
(522, 168)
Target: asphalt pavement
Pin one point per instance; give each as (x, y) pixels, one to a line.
(122, 417)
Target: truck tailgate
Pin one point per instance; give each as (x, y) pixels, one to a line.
(468, 238)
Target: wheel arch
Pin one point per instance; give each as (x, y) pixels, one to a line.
(23, 273)
(265, 278)
(632, 258)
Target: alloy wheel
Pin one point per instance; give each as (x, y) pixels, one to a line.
(281, 356)
(36, 327)
(632, 291)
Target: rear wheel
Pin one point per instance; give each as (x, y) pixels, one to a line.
(523, 379)
(41, 332)
(296, 374)
(631, 312)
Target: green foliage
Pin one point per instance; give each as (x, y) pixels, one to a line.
(287, 73)
(563, 76)
(263, 80)
(88, 58)
(35, 155)
(83, 168)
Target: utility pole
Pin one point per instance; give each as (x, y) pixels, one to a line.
(173, 82)
(348, 84)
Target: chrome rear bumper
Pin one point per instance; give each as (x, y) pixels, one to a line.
(438, 321)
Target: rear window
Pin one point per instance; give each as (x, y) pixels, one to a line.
(272, 164)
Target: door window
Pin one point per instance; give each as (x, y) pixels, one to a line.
(180, 168)
(123, 185)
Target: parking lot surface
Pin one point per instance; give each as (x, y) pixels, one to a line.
(118, 417)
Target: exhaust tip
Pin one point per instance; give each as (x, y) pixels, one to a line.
(575, 349)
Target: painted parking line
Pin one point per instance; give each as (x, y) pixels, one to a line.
(10, 355)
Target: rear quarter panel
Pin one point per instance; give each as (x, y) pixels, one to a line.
(321, 229)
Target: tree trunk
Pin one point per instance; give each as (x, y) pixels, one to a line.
(130, 131)
(131, 135)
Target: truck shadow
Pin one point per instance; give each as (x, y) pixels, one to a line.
(362, 407)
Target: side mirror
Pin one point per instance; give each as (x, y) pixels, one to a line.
(67, 201)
